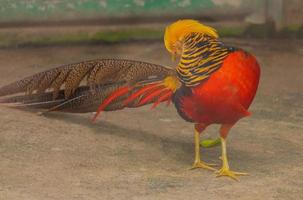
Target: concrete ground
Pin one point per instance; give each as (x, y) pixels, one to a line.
(143, 154)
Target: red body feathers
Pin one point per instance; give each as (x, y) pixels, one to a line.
(225, 97)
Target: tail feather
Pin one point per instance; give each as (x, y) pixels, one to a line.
(102, 85)
(164, 97)
(138, 93)
(150, 97)
(119, 92)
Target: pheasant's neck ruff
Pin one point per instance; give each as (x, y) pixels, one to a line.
(202, 55)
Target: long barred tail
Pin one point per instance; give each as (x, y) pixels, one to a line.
(105, 84)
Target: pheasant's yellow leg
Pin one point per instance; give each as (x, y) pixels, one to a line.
(225, 171)
(198, 162)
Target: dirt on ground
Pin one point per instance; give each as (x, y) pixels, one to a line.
(143, 153)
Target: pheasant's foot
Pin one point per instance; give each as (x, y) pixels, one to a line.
(203, 165)
(232, 174)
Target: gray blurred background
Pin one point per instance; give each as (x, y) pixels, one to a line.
(40, 22)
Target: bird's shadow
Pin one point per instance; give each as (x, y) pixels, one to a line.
(172, 147)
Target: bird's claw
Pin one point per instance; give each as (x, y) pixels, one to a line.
(203, 165)
(232, 174)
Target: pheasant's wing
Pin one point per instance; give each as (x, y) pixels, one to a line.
(105, 84)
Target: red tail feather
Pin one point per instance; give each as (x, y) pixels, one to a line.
(140, 92)
(165, 96)
(151, 95)
(109, 99)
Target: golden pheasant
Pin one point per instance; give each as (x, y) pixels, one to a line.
(212, 84)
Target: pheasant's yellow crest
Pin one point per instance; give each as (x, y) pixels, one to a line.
(175, 33)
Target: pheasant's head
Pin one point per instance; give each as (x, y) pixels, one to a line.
(177, 31)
